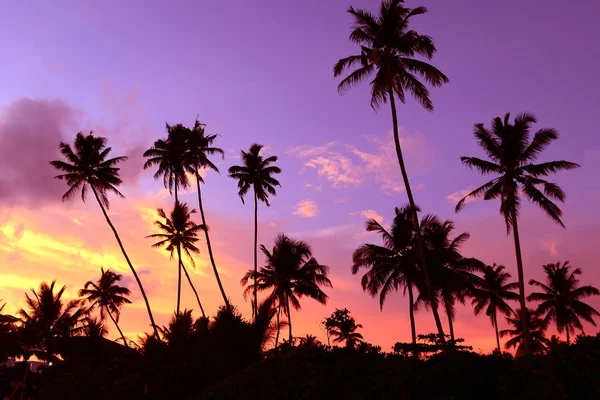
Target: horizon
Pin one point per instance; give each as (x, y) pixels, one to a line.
(253, 78)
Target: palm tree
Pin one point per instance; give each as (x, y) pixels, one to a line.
(179, 231)
(452, 273)
(491, 292)
(169, 156)
(95, 328)
(392, 266)
(199, 148)
(88, 167)
(49, 318)
(387, 50)
(289, 273)
(561, 298)
(106, 294)
(342, 327)
(532, 342)
(511, 155)
(256, 173)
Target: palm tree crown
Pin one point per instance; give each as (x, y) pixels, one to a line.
(199, 148)
(388, 48)
(106, 294)
(561, 298)
(343, 328)
(534, 340)
(491, 292)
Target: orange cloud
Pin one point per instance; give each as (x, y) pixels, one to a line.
(306, 208)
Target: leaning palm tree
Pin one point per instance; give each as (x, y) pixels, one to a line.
(534, 340)
(88, 168)
(168, 156)
(491, 293)
(49, 318)
(561, 298)
(511, 156)
(199, 148)
(387, 50)
(179, 231)
(290, 273)
(394, 265)
(257, 174)
(106, 294)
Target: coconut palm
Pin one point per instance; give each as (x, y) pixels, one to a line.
(387, 51)
(49, 318)
(89, 168)
(178, 232)
(491, 293)
(94, 328)
(290, 273)
(199, 148)
(394, 265)
(107, 295)
(511, 156)
(561, 298)
(257, 174)
(532, 342)
(342, 327)
(168, 155)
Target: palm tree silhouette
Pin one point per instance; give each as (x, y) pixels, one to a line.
(106, 294)
(342, 327)
(511, 154)
(179, 231)
(290, 273)
(451, 272)
(561, 298)
(169, 156)
(387, 51)
(94, 328)
(534, 340)
(88, 167)
(256, 173)
(199, 148)
(491, 292)
(392, 266)
(49, 318)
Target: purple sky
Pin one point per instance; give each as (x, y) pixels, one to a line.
(262, 72)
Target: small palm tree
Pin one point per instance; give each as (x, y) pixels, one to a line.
(199, 148)
(342, 327)
(88, 168)
(49, 318)
(290, 273)
(94, 328)
(534, 340)
(257, 174)
(179, 231)
(169, 156)
(387, 50)
(106, 294)
(511, 156)
(394, 265)
(561, 298)
(491, 293)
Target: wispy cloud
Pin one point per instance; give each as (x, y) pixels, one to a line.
(306, 208)
(457, 196)
(372, 214)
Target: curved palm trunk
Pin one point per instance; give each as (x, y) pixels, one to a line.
(495, 320)
(524, 317)
(255, 305)
(411, 313)
(287, 304)
(208, 245)
(178, 277)
(135, 275)
(420, 244)
(278, 325)
(118, 327)
(193, 289)
(450, 324)
(567, 329)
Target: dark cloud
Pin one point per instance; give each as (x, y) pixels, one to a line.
(30, 130)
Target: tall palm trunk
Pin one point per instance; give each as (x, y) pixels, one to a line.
(524, 316)
(278, 325)
(178, 278)
(287, 305)
(208, 245)
(193, 289)
(415, 219)
(450, 325)
(117, 325)
(567, 329)
(495, 320)
(255, 305)
(411, 313)
(135, 275)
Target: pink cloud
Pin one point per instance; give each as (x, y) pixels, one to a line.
(372, 214)
(306, 208)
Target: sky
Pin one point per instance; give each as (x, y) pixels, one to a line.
(262, 72)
